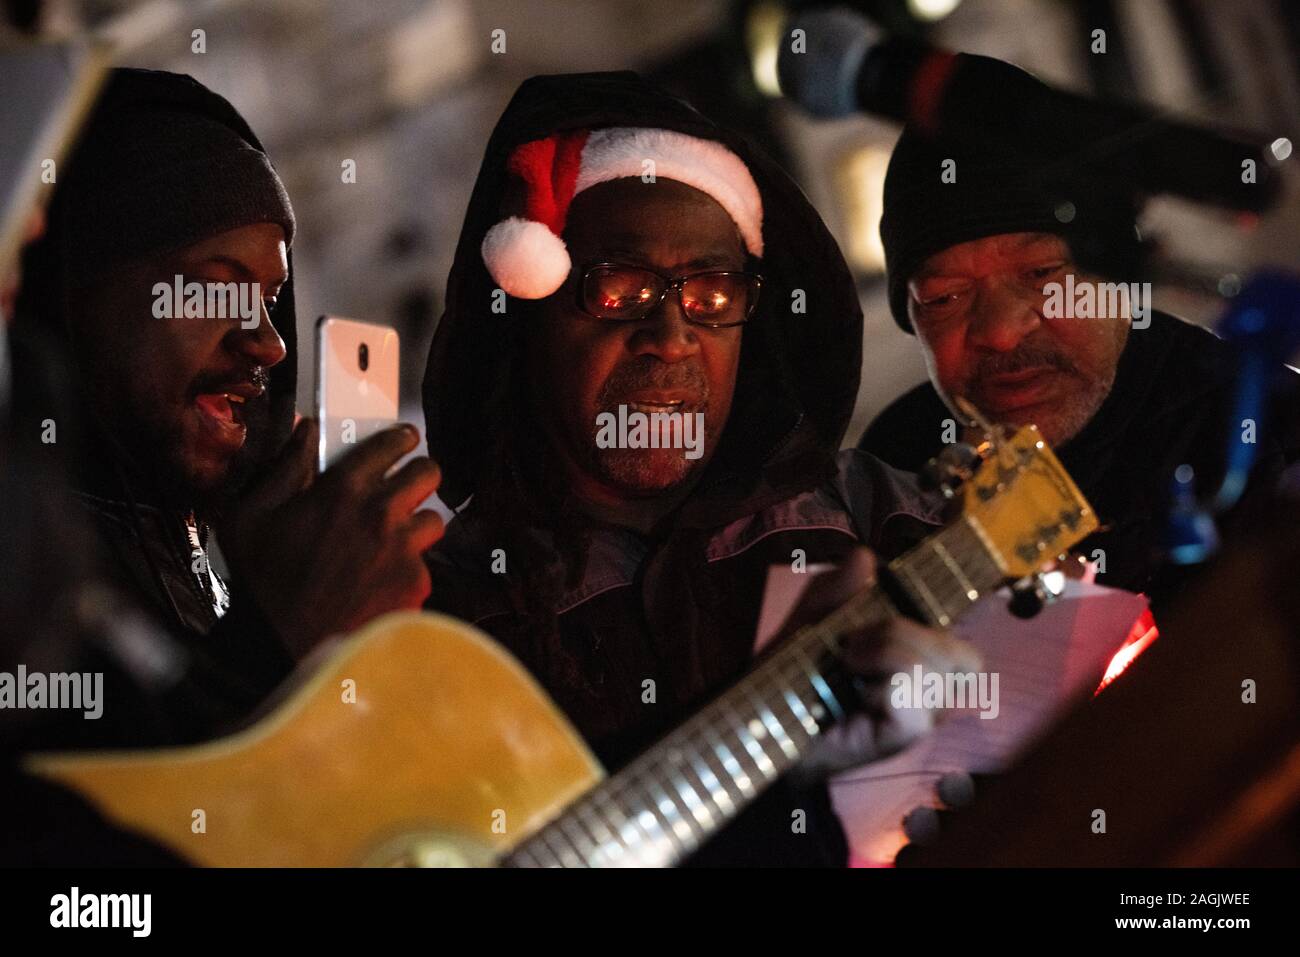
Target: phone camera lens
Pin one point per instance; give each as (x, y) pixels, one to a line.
(363, 357)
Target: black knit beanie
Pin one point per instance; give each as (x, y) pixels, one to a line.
(163, 163)
(999, 189)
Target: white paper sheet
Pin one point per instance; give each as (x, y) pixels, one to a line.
(1042, 664)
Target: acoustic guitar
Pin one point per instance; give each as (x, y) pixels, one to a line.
(420, 741)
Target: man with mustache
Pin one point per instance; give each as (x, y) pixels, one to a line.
(624, 259)
(186, 426)
(1125, 393)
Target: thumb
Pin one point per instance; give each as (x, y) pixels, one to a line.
(292, 472)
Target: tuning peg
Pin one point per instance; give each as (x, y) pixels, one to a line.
(1031, 593)
(950, 468)
(956, 789)
(921, 825)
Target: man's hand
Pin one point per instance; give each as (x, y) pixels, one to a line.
(325, 554)
(873, 655)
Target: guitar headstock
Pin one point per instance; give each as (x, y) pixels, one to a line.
(1024, 504)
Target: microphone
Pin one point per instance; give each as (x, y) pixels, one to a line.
(849, 65)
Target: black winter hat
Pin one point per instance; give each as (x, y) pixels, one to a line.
(991, 189)
(163, 163)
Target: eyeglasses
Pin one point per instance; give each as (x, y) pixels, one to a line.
(714, 298)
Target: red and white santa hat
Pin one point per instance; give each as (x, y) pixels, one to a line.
(525, 254)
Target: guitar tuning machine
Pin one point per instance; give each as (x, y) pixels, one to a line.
(994, 444)
(1032, 593)
(947, 471)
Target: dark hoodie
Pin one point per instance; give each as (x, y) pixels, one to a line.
(595, 610)
(109, 587)
(160, 158)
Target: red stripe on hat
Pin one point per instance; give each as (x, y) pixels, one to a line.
(549, 170)
(568, 161)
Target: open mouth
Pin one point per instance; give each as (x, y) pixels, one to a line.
(652, 402)
(652, 407)
(222, 414)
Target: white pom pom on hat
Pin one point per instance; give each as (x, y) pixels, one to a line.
(526, 256)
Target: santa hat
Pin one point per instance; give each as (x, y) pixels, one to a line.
(525, 254)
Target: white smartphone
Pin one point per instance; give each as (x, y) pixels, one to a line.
(357, 375)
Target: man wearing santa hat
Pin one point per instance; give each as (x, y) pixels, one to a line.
(622, 256)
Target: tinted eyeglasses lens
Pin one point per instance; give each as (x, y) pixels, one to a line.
(612, 292)
(718, 297)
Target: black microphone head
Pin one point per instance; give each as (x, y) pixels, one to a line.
(823, 78)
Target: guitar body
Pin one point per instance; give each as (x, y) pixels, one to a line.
(416, 741)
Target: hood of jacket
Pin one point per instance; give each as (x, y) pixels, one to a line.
(799, 370)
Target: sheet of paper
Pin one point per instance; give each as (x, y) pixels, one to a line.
(1042, 664)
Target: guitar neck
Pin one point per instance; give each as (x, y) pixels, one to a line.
(667, 802)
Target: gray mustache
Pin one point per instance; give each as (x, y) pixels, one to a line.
(654, 374)
(1022, 359)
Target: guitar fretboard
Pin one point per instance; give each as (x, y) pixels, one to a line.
(667, 802)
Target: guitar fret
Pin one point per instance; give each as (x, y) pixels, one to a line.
(717, 792)
(565, 854)
(522, 857)
(631, 837)
(762, 763)
(735, 773)
(754, 732)
(823, 690)
(579, 838)
(971, 593)
(792, 714)
(604, 838)
(801, 713)
(917, 588)
(784, 681)
(783, 740)
(694, 804)
(680, 829)
(991, 571)
(948, 572)
(648, 820)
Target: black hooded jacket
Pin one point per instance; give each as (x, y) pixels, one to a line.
(1171, 404)
(142, 543)
(101, 575)
(594, 610)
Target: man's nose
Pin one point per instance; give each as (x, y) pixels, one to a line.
(1003, 316)
(262, 344)
(665, 333)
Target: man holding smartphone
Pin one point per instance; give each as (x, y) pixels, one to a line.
(188, 413)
